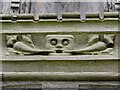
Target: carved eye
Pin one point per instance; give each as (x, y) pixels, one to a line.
(53, 42)
(65, 42)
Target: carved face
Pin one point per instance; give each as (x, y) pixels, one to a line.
(59, 43)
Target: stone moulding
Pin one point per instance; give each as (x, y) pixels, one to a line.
(74, 58)
(64, 15)
(83, 63)
(60, 85)
(67, 26)
(61, 76)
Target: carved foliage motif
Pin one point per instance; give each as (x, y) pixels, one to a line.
(96, 47)
(108, 42)
(18, 43)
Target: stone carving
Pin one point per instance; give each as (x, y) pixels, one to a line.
(96, 47)
(15, 6)
(59, 43)
(22, 44)
(105, 48)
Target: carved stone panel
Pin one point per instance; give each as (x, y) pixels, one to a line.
(60, 45)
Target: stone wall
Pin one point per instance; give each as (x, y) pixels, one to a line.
(28, 6)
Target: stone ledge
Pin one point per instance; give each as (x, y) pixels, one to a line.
(64, 15)
(61, 76)
(63, 85)
(77, 57)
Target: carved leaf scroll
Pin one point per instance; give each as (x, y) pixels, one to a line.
(23, 44)
(96, 47)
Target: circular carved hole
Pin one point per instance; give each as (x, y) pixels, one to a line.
(65, 42)
(53, 42)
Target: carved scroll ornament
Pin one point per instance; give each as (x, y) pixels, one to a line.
(23, 44)
(97, 47)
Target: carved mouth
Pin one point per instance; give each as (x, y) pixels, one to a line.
(59, 51)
